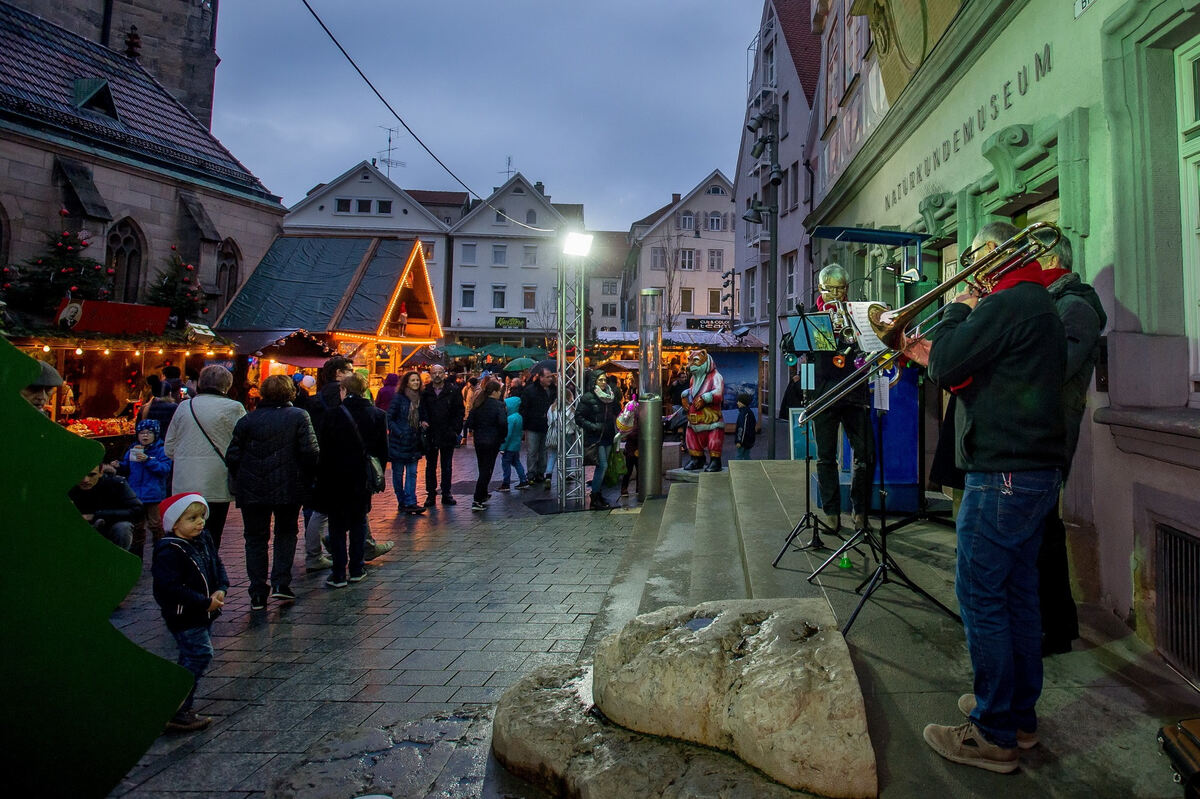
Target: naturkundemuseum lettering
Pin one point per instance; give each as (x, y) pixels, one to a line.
(976, 124)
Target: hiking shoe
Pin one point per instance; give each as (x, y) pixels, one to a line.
(319, 565)
(431, 500)
(258, 601)
(477, 505)
(1025, 740)
(414, 510)
(372, 551)
(504, 487)
(334, 582)
(188, 721)
(283, 593)
(524, 484)
(358, 578)
(965, 744)
(449, 500)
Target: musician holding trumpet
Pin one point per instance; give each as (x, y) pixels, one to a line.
(1003, 355)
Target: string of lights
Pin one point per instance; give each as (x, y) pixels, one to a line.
(411, 132)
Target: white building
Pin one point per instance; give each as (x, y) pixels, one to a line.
(605, 274)
(683, 248)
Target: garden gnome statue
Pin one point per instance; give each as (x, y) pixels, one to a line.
(705, 424)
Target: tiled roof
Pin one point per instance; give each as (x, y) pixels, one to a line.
(455, 198)
(795, 22)
(39, 66)
(654, 217)
(572, 212)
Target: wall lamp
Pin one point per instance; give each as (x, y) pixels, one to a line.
(755, 213)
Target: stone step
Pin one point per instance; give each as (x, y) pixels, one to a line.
(718, 570)
(768, 499)
(621, 603)
(669, 577)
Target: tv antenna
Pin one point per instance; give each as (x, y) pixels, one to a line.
(387, 159)
(508, 170)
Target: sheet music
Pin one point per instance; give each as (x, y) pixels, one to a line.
(867, 340)
(882, 389)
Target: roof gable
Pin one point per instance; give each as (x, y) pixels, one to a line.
(516, 189)
(366, 180)
(666, 212)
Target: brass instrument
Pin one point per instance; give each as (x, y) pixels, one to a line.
(895, 328)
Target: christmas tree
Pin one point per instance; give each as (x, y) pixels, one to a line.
(62, 271)
(82, 702)
(177, 287)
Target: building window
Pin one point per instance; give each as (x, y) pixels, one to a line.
(499, 255)
(608, 309)
(769, 65)
(685, 300)
(529, 257)
(383, 207)
(789, 267)
(363, 206)
(751, 293)
(658, 259)
(833, 67)
(784, 102)
(783, 196)
(446, 219)
(227, 271)
(430, 249)
(468, 254)
(498, 298)
(714, 221)
(609, 287)
(687, 259)
(341, 205)
(716, 260)
(715, 190)
(531, 217)
(794, 183)
(687, 220)
(529, 298)
(1187, 80)
(501, 219)
(467, 302)
(714, 301)
(124, 254)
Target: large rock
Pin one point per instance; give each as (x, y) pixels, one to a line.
(546, 731)
(769, 680)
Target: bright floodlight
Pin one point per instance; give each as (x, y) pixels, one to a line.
(577, 244)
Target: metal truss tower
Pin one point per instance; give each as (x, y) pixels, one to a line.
(572, 489)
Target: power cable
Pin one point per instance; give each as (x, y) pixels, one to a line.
(382, 99)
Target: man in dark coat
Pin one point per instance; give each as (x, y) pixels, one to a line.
(536, 399)
(108, 504)
(442, 409)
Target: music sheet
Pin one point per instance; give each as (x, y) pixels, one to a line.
(867, 340)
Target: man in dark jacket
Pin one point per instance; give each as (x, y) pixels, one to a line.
(108, 504)
(1083, 320)
(1003, 356)
(536, 399)
(442, 409)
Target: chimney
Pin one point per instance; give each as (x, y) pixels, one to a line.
(541, 187)
(674, 198)
(133, 43)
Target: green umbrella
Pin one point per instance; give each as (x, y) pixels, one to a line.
(520, 364)
(457, 351)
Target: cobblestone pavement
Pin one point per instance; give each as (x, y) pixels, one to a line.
(464, 605)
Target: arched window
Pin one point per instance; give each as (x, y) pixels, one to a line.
(228, 274)
(124, 253)
(714, 220)
(531, 217)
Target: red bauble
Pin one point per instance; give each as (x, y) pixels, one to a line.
(189, 267)
(111, 271)
(74, 288)
(59, 244)
(66, 233)
(63, 270)
(187, 279)
(202, 310)
(173, 247)
(63, 212)
(69, 247)
(9, 285)
(84, 243)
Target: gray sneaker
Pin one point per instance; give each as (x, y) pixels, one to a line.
(319, 565)
(372, 551)
(1025, 740)
(965, 744)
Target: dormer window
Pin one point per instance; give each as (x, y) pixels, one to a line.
(715, 190)
(94, 94)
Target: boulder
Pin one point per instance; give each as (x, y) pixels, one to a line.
(546, 731)
(769, 680)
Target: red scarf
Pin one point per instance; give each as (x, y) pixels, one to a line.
(1029, 273)
(1049, 276)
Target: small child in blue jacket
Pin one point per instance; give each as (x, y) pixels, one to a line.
(148, 470)
(510, 450)
(744, 435)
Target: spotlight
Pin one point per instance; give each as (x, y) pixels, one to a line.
(45, 348)
(79, 351)
(754, 124)
(776, 175)
(754, 215)
(742, 331)
(757, 150)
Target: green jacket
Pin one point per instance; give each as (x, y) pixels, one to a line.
(1006, 359)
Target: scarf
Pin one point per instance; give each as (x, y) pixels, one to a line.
(414, 407)
(603, 394)
(1030, 273)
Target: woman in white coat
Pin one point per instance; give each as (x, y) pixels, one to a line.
(197, 441)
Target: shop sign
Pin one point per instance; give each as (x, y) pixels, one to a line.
(510, 322)
(114, 318)
(713, 325)
(976, 123)
(1083, 5)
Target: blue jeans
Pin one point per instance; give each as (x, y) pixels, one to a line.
(743, 454)
(195, 653)
(508, 460)
(404, 481)
(999, 535)
(601, 467)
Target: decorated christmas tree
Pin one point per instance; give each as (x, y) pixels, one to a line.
(82, 702)
(178, 287)
(63, 270)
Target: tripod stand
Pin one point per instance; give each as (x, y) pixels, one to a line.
(810, 519)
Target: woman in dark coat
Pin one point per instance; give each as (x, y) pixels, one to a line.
(597, 413)
(271, 460)
(404, 442)
(349, 434)
(489, 422)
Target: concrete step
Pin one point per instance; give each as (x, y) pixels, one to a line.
(621, 603)
(768, 500)
(669, 577)
(718, 569)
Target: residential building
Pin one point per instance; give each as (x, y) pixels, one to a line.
(995, 111)
(683, 248)
(605, 273)
(782, 80)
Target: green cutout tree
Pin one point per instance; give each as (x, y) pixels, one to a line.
(82, 703)
(177, 287)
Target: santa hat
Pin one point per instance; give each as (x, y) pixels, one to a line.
(172, 508)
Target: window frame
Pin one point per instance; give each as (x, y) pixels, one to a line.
(474, 253)
(463, 288)
(658, 259)
(714, 301)
(687, 299)
(337, 203)
(502, 251)
(687, 259)
(525, 253)
(501, 290)
(716, 259)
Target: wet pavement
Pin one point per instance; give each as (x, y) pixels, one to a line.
(463, 606)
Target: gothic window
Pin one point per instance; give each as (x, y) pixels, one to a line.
(124, 253)
(227, 271)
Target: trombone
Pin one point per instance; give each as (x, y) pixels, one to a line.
(981, 273)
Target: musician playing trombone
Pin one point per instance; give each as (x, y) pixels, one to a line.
(1003, 356)
(852, 412)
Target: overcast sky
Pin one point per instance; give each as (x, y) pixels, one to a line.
(611, 103)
